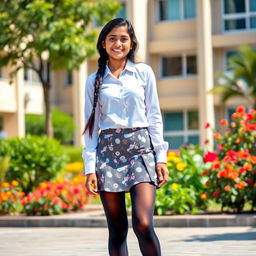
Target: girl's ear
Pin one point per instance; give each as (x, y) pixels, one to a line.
(103, 44)
(131, 45)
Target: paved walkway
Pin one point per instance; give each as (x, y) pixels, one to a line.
(224, 241)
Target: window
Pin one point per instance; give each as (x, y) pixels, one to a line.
(228, 55)
(230, 111)
(31, 76)
(239, 14)
(68, 78)
(176, 9)
(183, 66)
(181, 128)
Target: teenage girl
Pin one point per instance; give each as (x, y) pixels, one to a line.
(125, 150)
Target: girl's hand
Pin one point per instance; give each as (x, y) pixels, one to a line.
(162, 173)
(91, 184)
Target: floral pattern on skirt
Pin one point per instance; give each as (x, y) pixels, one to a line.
(125, 157)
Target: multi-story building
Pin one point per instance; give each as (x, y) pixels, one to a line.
(186, 42)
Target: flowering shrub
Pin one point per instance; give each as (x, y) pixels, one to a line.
(10, 198)
(182, 193)
(32, 160)
(231, 170)
(56, 197)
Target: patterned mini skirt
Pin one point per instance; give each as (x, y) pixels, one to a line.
(125, 157)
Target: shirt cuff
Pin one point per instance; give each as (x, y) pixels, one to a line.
(161, 156)
(89, 162)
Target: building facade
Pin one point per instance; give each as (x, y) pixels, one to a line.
(187, 42)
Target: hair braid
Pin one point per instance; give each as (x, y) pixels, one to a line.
(98, 82)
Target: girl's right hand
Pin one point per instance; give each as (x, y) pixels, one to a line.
(91, 184)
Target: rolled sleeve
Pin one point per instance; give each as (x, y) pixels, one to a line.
(154, 117)
(89, 151)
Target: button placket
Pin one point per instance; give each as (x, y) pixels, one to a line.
(122, 99)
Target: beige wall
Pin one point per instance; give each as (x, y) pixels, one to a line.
(156, 40)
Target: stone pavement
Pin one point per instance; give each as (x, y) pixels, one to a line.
(224, 241)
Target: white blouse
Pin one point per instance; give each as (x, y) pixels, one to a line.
(126, 102)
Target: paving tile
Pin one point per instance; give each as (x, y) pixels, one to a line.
(226, 241)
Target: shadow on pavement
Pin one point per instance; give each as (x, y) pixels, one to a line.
(250, 235)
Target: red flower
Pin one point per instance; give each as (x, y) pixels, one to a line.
(215, 194)
(240, 109)
(76, 190)
(210, 157)
(216, 165)
(220, 147)
(204, 173)
(242, 170)
(249, 181)
(250, 127)
(223, 173)
(224, 122)
(249, 117)
(207, 125)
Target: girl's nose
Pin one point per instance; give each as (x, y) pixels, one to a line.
(118, 43)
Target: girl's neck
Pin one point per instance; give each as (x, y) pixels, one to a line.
(116, 67)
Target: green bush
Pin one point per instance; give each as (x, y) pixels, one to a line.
(34, 124)
(63, 125)
(32, 160)
(184, 190)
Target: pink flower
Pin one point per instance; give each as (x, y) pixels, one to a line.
(207, 125)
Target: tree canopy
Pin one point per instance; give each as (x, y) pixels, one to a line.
(45, 35)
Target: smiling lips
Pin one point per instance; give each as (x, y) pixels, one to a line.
(117, 50)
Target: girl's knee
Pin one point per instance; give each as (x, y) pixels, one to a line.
(142, 227)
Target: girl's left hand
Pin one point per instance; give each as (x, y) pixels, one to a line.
(162, 173)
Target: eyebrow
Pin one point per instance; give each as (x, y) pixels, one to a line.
(117, 35)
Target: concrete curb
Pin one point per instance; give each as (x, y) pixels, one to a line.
(90, 220)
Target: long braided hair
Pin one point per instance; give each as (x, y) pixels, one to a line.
(102, 61)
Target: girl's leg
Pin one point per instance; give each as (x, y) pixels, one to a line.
(143, 203)
(115, 210)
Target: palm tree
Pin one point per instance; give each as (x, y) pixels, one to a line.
(242, 79)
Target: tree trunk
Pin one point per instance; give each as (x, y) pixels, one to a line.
(48, 115)
(45, 78)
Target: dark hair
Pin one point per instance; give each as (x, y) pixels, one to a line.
(102, 61)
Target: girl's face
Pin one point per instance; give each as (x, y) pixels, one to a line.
(117, 43)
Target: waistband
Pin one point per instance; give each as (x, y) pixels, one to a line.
(122, 130)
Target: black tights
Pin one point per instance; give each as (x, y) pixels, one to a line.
(143, 198)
